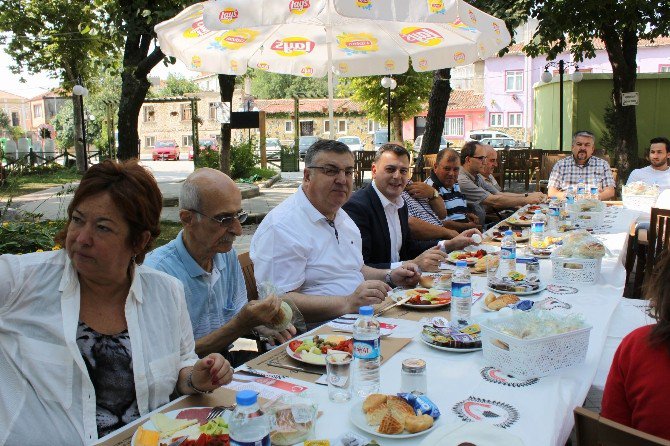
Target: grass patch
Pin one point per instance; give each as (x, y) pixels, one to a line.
(36, 179)
(169, 230)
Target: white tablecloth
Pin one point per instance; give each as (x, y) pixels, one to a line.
(538, 411)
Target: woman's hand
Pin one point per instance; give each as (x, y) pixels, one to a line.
(211, 372)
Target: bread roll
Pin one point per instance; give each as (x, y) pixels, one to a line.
(283, 317)
(426, 281)
(414, 423)
(489, 298)
(374, 400)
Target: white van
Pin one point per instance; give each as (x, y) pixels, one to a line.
(477, 135)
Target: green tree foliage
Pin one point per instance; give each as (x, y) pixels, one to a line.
(70, 39)
(265, 85)
(408, 98)
(64, 125)
(177, 85)
(619, 24)
(4, 121)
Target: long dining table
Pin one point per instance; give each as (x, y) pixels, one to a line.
(464, 386)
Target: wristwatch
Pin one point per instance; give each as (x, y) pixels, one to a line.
(388, 280)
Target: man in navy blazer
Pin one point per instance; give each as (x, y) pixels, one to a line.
(382, 218)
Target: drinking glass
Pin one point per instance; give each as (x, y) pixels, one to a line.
(338, 369)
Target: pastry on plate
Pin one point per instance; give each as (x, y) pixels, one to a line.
(391, 424)
(418, 423)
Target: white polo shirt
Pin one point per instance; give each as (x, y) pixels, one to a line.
(47, 396)
(296, 249)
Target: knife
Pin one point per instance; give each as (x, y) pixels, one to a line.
(295, 369)
(261, 373)
(400, 302)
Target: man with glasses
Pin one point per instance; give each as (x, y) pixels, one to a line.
(203, 258)
(479, 196)
(382, 217)
(309, 248)
(582, 165)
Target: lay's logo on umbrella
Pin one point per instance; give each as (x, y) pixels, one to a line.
(236, 38)
(423, 64)
(197, 29)
(358, 43)
(307, 71)
(228, 15)
(421, 36)
(196, 62)
(459, 57)
(293, 46)
(496, 28)
(343, 67)
(364, 4)
(263, 66)
(472, 15)
(298, 6)
(436, 7)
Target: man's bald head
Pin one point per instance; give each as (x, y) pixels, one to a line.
(489, 166)
(204, 184)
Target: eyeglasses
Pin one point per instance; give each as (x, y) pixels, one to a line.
(226, 221)
(480, 158)
(332, 171)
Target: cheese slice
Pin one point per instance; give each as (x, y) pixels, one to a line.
(168, 426)
(146, 437)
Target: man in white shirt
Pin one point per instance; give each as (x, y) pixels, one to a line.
(310, 248)
(658, 171)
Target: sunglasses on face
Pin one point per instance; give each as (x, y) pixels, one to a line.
(225, 221)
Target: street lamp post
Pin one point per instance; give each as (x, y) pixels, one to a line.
(546, 77)
(79, 90)
(389, 83)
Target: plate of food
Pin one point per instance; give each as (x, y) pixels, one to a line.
(422, 298)
(313, 349)
(521, 220)
(521, 287)
(389, 416)
(164, 428)
(493, 302)
(470, 257)
(452, 339)
(519, 235)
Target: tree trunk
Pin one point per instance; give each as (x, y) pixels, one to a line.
(437, 110)
(397, 129)
(79, 146)
(622, 52)
(137, 63)
(227, 88)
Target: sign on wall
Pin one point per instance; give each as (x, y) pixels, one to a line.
(630, 98)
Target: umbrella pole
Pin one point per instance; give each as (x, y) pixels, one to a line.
(329, 45)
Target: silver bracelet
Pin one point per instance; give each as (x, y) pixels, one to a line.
(189, 384)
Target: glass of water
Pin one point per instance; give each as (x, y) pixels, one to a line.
(338, 369)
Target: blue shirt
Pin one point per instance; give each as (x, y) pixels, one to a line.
(213, 298)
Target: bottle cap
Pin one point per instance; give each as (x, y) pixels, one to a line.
(461, 263)
(365, 311)
(509, 232)
(246, 397)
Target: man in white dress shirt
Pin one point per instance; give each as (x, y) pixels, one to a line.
(658, 171)
(310, 248)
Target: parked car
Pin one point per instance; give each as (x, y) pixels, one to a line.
(207, 143)
(380, 137)
(419, 140)
(304, 143)
(165, 150)
(272, 148)
(500, 143)
(478, 135)
(353, 142)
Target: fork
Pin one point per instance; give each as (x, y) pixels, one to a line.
(218, 410)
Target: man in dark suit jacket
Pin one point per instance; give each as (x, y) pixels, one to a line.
(382, 218)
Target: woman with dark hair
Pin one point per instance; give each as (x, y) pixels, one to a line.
(637, 392)
(90, 339)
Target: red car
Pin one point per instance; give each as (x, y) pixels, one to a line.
(165, 150)
(207, 143)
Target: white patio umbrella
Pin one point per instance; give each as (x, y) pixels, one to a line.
(326, 37)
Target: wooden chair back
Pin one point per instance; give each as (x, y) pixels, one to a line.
(594, 430)
(249, 278)
(658, 238)
(428, 164)
(363, 160)
(517, 166)
(546, 166)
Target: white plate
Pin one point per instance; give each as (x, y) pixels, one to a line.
(490, 249)
(515, 222)
(357, 417)
(449, 349)
(519, 293)
(322, 361)
(399, 293)
(172, 414)
(451, 257)
(479, 433)
(485, 307)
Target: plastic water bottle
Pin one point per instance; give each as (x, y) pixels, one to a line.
(461, 294)
(248, 425)
(594, 193)
(570, 196)
(554, 214)
(581, 189)
(537, 228)
(507, 254)
(367, 353)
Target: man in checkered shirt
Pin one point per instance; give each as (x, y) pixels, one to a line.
(582, 165)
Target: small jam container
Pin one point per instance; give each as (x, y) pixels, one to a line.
(533, 269)
(413, 376)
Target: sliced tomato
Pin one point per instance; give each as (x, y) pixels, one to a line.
(421, 291)
(293, 345)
